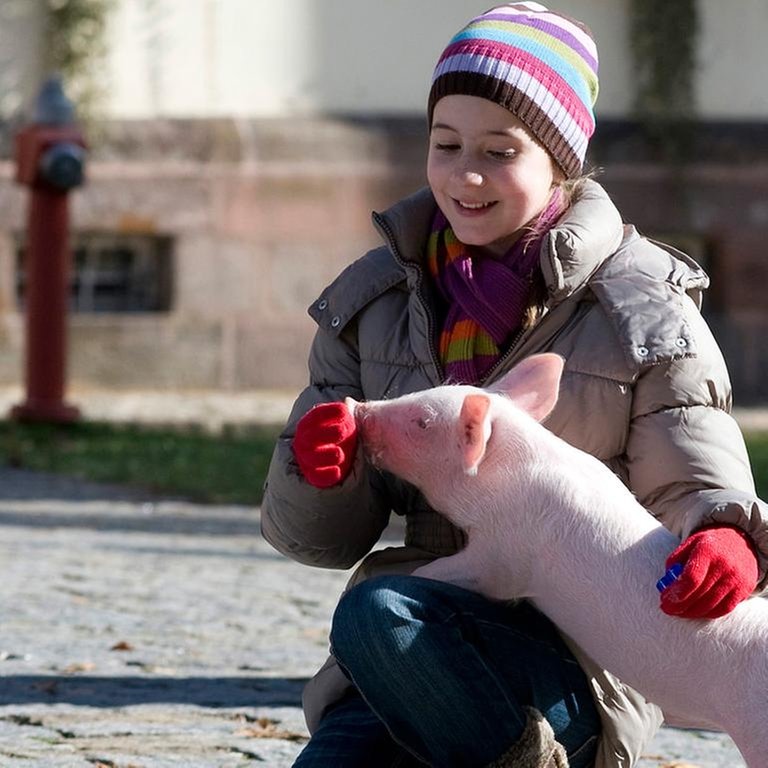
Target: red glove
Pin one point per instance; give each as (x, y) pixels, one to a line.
(720, 570)
(325, 444)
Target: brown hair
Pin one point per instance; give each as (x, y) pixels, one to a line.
(563, 195)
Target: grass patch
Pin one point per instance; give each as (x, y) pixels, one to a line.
(227, 468)
(757, 445)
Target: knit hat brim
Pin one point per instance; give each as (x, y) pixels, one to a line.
(539, 65)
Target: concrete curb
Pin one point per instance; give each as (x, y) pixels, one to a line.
(216, 410)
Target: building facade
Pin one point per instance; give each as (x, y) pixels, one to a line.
(241, 146)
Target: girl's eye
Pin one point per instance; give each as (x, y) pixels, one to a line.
(503, 154)
(446, 147)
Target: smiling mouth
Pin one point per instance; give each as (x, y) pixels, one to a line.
(466, 206)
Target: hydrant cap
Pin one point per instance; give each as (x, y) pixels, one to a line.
(62, 165)
(52, 107)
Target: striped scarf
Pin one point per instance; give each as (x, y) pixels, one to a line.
(486, 298)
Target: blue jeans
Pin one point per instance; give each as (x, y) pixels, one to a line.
(443, 676)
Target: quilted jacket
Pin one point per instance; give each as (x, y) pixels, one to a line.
(645, 389)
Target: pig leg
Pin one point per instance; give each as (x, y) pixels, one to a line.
(751, 739)
(461, 569)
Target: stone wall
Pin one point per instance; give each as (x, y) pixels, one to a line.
(264, 214)
(722, 212)
(255, 240)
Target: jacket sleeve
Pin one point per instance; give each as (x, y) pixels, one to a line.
(686, 457)
(333, 527)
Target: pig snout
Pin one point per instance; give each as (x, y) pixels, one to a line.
(367, 428)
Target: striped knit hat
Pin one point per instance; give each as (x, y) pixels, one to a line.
(538, 64)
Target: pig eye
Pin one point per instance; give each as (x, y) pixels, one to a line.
(422, 423)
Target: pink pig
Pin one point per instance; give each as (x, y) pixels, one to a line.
(550, 523)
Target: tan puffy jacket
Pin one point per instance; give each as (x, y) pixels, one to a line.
(645, 389)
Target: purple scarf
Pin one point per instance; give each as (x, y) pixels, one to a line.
(487, 298)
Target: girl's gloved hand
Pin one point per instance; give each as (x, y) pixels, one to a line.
(719, 571)
(325, 444)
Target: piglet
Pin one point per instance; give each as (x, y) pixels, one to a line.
(552, 524)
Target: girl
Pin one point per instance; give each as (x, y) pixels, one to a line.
(510, 251)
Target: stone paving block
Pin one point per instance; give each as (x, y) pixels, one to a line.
(149, 633)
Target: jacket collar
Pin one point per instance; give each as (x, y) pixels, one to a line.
(580, 242)
(406, 225)
(575, 248)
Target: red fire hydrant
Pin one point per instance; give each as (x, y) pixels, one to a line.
(50, 158)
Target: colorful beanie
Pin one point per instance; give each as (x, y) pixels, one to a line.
(538, 64)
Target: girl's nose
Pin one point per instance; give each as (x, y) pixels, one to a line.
(473, 178)
(466, 169)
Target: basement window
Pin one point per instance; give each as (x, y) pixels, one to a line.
(115, 273)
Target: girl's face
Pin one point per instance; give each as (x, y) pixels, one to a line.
(489, 176)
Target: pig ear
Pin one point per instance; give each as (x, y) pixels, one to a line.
(475, 429)
(533, 384)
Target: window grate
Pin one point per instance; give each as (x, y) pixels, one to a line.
(114, 272)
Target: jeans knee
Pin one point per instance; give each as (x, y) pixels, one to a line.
(366, 615)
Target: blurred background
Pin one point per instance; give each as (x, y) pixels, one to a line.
(237, 148)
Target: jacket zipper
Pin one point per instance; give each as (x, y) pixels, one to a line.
(525, 333)
(501, 362)
(431, 320)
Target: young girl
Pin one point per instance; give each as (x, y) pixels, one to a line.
(510, 251)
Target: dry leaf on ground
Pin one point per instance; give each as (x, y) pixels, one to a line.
(78, 666)
(264, 728)
(679, 765)
(123, 645)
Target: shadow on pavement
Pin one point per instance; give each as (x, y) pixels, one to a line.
(28, 485)
(91, 691)
(40, 500)
(160, 523)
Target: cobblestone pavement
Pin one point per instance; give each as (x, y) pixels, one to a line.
(146, 633)
(140, 632)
